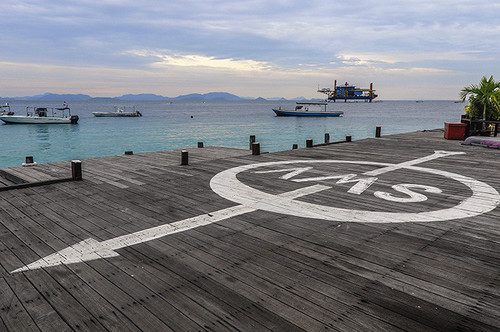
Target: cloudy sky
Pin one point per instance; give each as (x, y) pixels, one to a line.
(408, 49)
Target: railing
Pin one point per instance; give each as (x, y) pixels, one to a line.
(476, 127)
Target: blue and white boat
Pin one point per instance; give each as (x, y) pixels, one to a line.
(308, 109)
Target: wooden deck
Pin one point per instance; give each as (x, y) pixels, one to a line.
(377, 234)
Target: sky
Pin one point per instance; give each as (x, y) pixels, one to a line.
(410, 50)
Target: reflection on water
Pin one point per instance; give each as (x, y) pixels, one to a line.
(41, 136)
(45, 136)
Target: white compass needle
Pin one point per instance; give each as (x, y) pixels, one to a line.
(91, 249)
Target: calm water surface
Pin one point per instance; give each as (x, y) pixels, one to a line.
(166, 126)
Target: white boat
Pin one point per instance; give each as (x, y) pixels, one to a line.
(308, 109)
(42, 115)
(119, 112)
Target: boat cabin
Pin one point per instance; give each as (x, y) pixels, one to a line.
(311, 106)
(41, 111)
(5, 110)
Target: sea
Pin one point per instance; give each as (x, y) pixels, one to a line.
(169, 125)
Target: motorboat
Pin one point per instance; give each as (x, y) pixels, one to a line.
(120, 111)
(42, 115)
(308, 109)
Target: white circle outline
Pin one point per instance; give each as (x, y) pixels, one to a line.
(484, 197)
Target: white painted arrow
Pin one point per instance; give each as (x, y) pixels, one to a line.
(364, 183)
(91, 249)
(437, 154)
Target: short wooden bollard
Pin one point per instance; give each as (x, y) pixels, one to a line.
(252, 140)
(200, 144)
(327, 138)
(29, 162)
(129, 153)
(255, 148)
(295, 146)
(348, 138)
(309, 143)
(76, 170)
(184, 157)
(378, 130)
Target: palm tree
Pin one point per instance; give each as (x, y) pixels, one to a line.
(485, 94)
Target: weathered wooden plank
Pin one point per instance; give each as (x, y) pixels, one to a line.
(328, 257)
(70, 309)
(12, 312)
(244, 314)
(261, 269)
(36, 306)
(255, 259)
(147, 309)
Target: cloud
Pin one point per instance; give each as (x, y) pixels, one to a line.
(166, 58)
(251, 39)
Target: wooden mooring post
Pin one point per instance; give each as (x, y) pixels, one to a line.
(327, 138)
(29, 162)
(378, 131)
(255, 148)
(309, 143)
(200, 144)
(295, 146)
(184, 157)
(348, 138)
(76, 170)
(252, 140)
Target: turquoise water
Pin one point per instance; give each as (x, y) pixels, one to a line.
(167, 126)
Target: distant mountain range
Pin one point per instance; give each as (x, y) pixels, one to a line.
(143, 96)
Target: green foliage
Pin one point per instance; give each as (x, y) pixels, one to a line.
(484, 99)
(476, 110)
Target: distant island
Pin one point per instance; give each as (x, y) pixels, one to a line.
(212, 96)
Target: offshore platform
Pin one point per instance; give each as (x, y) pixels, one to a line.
(349, 92)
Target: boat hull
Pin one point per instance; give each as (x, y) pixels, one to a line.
(280, 112)
(20, 119)
(116, 114)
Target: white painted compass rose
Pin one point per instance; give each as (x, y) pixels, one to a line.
(484, 198)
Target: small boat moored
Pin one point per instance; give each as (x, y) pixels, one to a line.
(120, 111)
(308, 109)
(42, 115)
